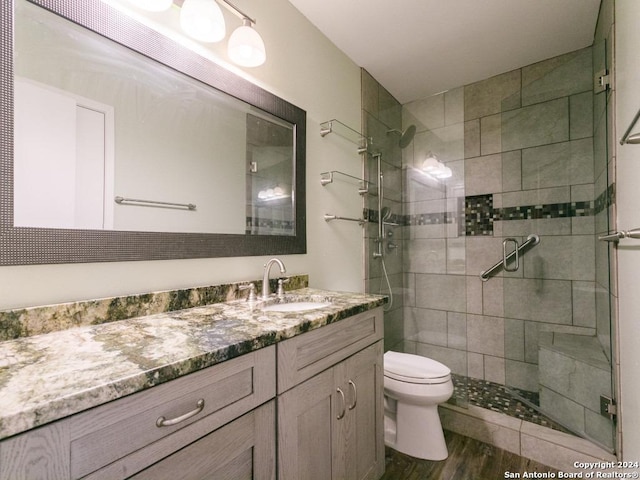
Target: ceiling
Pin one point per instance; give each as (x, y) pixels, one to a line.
(416, 48)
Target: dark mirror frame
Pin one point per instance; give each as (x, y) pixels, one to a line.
(30, 246)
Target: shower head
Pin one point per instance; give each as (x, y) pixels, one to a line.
(406, 137)
(385, 213)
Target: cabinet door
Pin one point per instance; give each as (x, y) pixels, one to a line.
(305, 430)
(241, 450)
(364, 436)
(331, 426)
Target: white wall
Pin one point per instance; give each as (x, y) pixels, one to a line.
(307, 70)
(627, 70)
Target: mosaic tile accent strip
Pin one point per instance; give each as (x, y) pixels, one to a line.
(553, 210)
(372, 216)
(256, 226)
(496, 397)
(430, 218)
(26, 322)
(605, 199)
(480, 214)
(438, 218)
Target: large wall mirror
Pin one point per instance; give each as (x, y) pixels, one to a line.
(119, 144)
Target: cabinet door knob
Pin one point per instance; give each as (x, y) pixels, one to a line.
(341, 414)
(163, 422)
(355, 395)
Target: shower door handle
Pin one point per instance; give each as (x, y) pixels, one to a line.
(617, 236)
(515, 253)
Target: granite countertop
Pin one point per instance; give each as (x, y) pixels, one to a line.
(48, 377)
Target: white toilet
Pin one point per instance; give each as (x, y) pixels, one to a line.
(413, 388)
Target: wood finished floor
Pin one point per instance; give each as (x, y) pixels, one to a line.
(468, 459)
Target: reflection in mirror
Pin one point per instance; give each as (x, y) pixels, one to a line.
(130, 146)
(269, 187)
(96, 123)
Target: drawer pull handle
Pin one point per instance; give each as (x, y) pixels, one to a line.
(355, 395)
(341, 414)
(163, 422)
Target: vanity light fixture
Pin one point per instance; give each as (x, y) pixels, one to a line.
(432, 166)
(270, 194)
(152, 5)
(246, 46)
(202, 20)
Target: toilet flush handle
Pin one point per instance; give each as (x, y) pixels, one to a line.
(355, 395)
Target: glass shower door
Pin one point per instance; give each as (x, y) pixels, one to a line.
(557, 304)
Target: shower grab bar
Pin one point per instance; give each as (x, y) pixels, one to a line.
(328, 218)
(531, 240)
(617, 236)
(153, 203)
(627, 137)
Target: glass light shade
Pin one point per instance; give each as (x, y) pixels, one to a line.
(445, 172)
(202, 20)
(246, 47)
(431, 165)
(152, 5)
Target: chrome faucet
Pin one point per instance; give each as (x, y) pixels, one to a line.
(265, 277)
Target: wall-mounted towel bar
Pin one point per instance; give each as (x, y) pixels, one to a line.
(628, 137)
(617, 236)
(153, 203)
(506, 258)
(329, 218)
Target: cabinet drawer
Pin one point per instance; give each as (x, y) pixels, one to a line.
(191, 406)
(242, 450)
(301, 357)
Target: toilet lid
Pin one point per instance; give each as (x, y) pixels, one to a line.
(414, 368)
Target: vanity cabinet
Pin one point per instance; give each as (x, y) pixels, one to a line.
(330, 402)
(127, 436)
(321, 416)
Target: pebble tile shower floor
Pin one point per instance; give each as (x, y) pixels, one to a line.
(496, 397)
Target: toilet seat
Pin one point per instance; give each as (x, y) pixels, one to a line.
(410, 368)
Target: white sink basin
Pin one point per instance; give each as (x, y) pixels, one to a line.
(295, 306)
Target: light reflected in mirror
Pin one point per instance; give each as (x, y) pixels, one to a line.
(106, 138)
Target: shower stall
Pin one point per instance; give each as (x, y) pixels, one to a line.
(527, 159)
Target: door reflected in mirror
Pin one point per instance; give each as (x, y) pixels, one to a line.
(106, 138)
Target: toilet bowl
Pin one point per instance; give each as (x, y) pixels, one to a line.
(413, 388)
